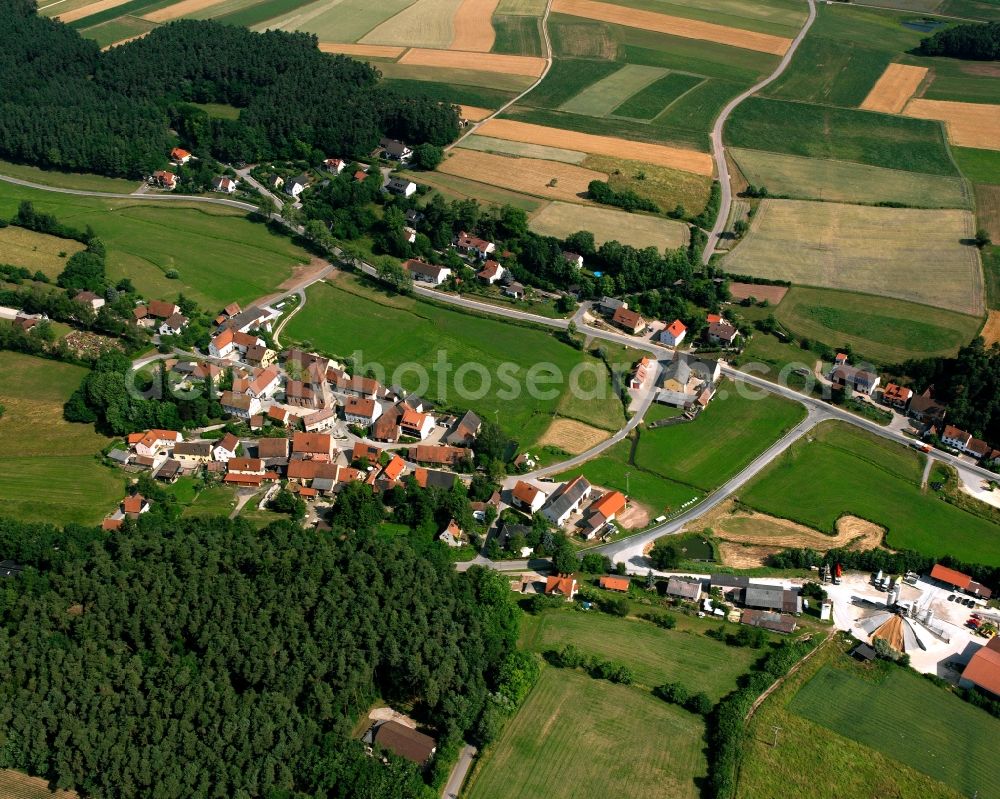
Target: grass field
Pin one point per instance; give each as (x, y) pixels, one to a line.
(68, 180)
(988, 209)
(945, 738)
(220, 256)
(493, 81)
(723, 440)
(576, 736)
(454, 187)
(346, 21)
(777, 17)
(840, 134)
(804, 749)
(601, 98)
(665, 186)
(842, 469)
(910, 254)
(390, 330)
(884, 330)
(560, 219)
(47, 467)
(979, 166)
(451, 93)
(517, 35)
(218, 500)
(426, 23)
(653, 100)
(964, 81)
(613, 470)
(845, 181)
(36, 251)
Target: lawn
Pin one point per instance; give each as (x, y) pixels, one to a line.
(723, 440)
(217, 500)
(908, 719)
(68, 180)
(613, 470)
(579, 737)
(220, 255)
(841, 469)
(878, 328)
(804, 749)
(48, 470)
(906, 253)
(816, 131)
(38, 252)
(640, 230)
(392, 331)
(845, 181)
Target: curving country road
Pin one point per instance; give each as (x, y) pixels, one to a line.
(719, 149)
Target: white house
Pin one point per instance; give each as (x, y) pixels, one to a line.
(89, 298)
(180, 156)
(955, 438)
(173, 325)
(401, 186)
(242, 406)
(395, 150)
(528, 497)
(566, 501)
(298, 185)
(222, 345)
(673, 334)
(427, 273)
(265, 383)
(334, 165)
(152, 441)
(491, 272)
(416, 424)
(225, 450)
(362, 411)
(452, 535)
(225, 184)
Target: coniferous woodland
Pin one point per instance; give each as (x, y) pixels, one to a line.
(200, 658)
(66, 105)
(975, 42)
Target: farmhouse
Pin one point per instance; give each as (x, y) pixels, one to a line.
(528, 497)
(426, 273)
(643, 369)
(953, 437)
(404, 742)
(608, 305)
(301, 395)
(768, 620)
(133, 505)
(319, 420)
(629, 321)
(173, 325)
(473, 246)
(179, 156)
(386, 427)
(924, 408)
(615, 583)
(298, 185)
(440, 455)
(573, 259)
(566, 501)
(313, 444)
(849, 377)
(609, 505)
(169, 472)
(687, 590)
(465, 430)
(225, 184)
(452, 535)
(896, 396)
(252, 318)
(273, 450)
(962, 582)
(395, 150)
(673, 334)
(152, 441)
(431, 478)
(561, 585)
(983, 670)
(772, 597)
(192, 454)
(401, 186)
(491, 272)
(242, 406)
(688, 382)
(335, 165)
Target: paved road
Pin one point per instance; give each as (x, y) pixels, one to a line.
(251, 180)
(719, 149)
(144, 197)
(454, 785)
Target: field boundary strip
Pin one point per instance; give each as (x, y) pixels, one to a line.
(662, 154)
(674, 26)
(894, 88)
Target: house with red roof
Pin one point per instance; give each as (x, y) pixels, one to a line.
(226, 448)
(165, 180)
(491, 272)
(673, 334)
(983, 670)
(452, 535)
(180, 156)
(561, 585)
(151, 442)
(629, 321)
(610, 583)
(528, 497)
(415, 424)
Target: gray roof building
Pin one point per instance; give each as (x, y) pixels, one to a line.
(684, 589)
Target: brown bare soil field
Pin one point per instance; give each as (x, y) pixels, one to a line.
(991, 330)
(773, 294)
(15, 785)
(988, 208)
(745, 539)
(675, 26)
(891, 91)
(483, 62)
(572, 436)
(552, 179)
(474, 26)
(474, 113)
(662, 154)
(371, 50)
(968, 124)
(180, 9)
(86, 11)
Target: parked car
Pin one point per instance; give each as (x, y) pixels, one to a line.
(951, 597)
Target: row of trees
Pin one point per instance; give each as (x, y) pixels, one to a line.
(977, 42)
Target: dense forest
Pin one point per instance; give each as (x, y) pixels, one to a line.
(205, 659)
(64, 104)
(976, 42)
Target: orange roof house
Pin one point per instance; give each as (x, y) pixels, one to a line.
(611, 504)
(673, 334)
(394, 468)
(561, 585)
(615, 583)
(983, 671)
(528, 496)
(179, 155)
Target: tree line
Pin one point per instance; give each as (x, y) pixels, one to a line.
(183, 658)
(66, 105)
(975, 42)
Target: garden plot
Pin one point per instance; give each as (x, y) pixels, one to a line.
(911, 254)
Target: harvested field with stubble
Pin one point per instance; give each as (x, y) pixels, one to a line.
(968, 124)
(675, 26)
(474, 113)
(664, 155)
(490, 144)
(178, 10)
(847, 181)
(988, 209)
(607, 224)
(426, 23)
(891, 91)
(572, 436)
(910, 254)
(363, 50)
(16, 785)
(473, 26)
(85, 11)
(483, 62)
(552, 179)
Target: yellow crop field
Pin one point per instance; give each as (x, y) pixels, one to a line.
(427, 23)
(968, 124)
(891, 91)
(553, 179)
(528, 66)
(474, 26)
(608, 224)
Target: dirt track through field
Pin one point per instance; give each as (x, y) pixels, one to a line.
(484, 62)
(891, 91)
(474, 26)
(662, 154)
(180, 9)
(675, 26)
(552, 179)
(572, 436)
(370, 50)
(86, 11)
(968, 124)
